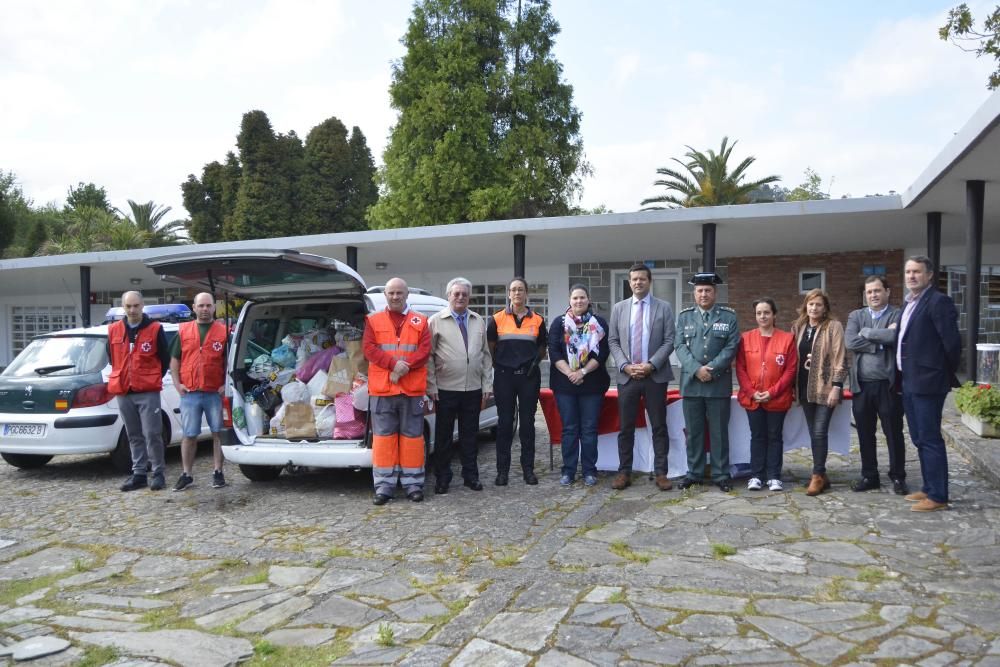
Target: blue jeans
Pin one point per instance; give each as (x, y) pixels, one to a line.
(767, 446)
(196, 403)
(923, 415)
(579, 414)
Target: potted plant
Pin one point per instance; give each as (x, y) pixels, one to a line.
(980, 408)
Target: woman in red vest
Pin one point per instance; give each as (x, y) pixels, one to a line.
(765, 369)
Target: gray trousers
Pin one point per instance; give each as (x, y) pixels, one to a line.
(144, 427)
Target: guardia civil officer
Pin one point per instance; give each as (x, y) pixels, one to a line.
(707, 339)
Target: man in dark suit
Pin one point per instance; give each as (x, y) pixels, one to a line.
(641, 340)
(928, 354)
(871, 336)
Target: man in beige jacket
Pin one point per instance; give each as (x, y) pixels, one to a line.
(459, 381)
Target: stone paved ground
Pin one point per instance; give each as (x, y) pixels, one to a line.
(306, 571)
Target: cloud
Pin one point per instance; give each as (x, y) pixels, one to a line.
(279, 35)
(626, 66)
(904, 58)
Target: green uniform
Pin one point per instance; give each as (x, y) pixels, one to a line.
(712, 342)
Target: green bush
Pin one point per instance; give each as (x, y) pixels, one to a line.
(979, 400)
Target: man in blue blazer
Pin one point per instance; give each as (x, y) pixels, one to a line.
(641, 340)
(928, 351)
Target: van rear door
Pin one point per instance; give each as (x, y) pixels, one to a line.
(260, 274)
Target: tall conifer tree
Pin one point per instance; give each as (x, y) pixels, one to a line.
(487, 128)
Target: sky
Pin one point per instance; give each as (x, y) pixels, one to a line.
(136, 96)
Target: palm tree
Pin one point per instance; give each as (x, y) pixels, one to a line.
(708, 182)
(148, 217)
(92, 229)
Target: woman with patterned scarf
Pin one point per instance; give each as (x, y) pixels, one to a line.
(578, 350)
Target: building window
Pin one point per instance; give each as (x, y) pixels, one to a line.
(488, 299)
(873, 270)
(26, 322)
(810, 280)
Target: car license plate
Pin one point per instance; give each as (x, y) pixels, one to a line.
(24, 430)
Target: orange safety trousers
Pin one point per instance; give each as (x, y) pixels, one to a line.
(397, 443)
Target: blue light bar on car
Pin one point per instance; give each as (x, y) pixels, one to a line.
(164, 312)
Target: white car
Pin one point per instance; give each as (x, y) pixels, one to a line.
(54, 401)
(288, 292)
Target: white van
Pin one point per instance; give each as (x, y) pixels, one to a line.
(288, 292)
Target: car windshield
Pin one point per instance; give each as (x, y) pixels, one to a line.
(60, 355)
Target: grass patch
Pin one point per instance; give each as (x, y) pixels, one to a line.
(93, 495)
(623, 550)
(750, 609)
(266, 653)
(573, 569)
(583, 530)
(832, 591)
(455, 607)
(617, 597)
(168, 618)
(231, 563)
(720, 550)
(95, 656)
(467, 557)
(10, 591)
(256, 578)
(872, 575)
(339, 552)
(81, 564)
(386, 635)
(508, 558)
(284, 531)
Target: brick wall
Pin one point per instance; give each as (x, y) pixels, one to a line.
(777, 277)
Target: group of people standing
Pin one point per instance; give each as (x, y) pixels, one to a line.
(902, 362)
(196, 359)
(459, 360)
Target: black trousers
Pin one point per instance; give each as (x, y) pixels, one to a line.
(878, 400)
(525, 387)
(462, 406)
(655, 394)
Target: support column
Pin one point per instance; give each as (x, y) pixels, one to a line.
(934, 238)
(352, 257)
(975, 194)
(84, 296)
(708, 247)
(519, 255)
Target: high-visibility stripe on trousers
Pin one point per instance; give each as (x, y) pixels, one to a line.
(397, 442)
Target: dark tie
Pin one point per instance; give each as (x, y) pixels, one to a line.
(465, 332)
(704, 318)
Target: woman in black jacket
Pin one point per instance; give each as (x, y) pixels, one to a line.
(578, 350)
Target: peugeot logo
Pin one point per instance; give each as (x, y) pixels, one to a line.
(27, 390)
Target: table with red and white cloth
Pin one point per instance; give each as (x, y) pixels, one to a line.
(796, 434)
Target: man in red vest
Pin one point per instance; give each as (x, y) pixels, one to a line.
(137, 348)
(198, 368)
(397, 344)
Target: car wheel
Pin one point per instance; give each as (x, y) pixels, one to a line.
(260, 473)
(26, 461)
(121, 455)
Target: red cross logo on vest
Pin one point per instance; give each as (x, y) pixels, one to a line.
(780, 360)
(146, 347)
(217, 346)
(415, 321)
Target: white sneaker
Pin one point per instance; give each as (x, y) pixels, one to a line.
(774, 485)
(754, 484)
